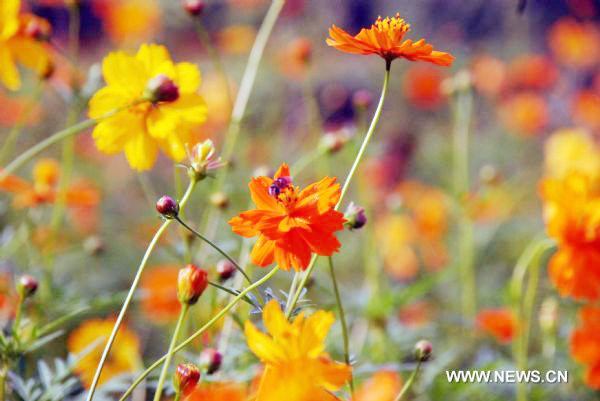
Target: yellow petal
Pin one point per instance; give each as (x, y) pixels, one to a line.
(112, 134)
(316, 327)
(141, 151)
(9, 18)
(106, 100)
(274, 319)
(153, 57)
(124, 72)
(188, 77)
(189, 108)
(9, 74)
(31, 53)
(262, 345)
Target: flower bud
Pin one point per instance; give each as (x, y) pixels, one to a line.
(194, 7)
(219, 199)
(210, 359)
(423, 350)
(186, 377)
(167, 207)
(35, 27)
(191, 283)
(27, 286)
(489, 175)
(202, 159)
(334, 141)
(225, 269)
(162, 89)
(355, 217)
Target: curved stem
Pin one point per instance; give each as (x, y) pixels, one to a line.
(165, 369)
(293, 301)
(338, 300)
(198, 333)
(231, 292)
(132, 289)
(215, 246)
(409, 382)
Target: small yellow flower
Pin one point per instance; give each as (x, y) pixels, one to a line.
(572, 150)
(164, 121)
(18, 45)
(297, 367)
(89, 340)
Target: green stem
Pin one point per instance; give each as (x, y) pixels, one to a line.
(409, 382)
(57, 137)
(340, 307)
(177, 396)
(198, 333)
(294, 300)
(528, 262)
(3, 375)
(247, 83)
(462, 111)
(165, 369)
(18, 314)
(132, 289)
(215, 246)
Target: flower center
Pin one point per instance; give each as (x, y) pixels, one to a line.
(162, 89)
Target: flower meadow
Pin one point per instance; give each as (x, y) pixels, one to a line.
(299, 200)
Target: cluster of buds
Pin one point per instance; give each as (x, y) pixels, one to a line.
(186, 378)
(210, 359)
(202, 160)
(355, 217)
(225, 270)
(27, 286)
(161, 89)
(167, 207)
(194, 7)
(191, 283)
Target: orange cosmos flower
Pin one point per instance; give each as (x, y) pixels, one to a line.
(586, 109)
(532, 71)
(384, 385)
(297, 367)
(160, 301)
(575, 44)
(499, 322)
(585, 344)
(44, 189)
(94, 333)
(218, 392)
(525, 113)
(488, 74)
(291, 223)
(385, 38)
(422, 86)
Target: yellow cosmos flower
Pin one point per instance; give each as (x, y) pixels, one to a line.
(89, 340)
(572, 150)
(297, 367)
(163, 121)
(19, 44)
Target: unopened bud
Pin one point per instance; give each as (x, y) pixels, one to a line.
(167, 207)
(423, 350)
(334, 141)
(186, 377)
(489, 175)
(161, 88)
(191, 283)
(27, 286)
(202, 159)
(36, 27)
(355, 216)
(225, 269)
(194, 7)
(211, 359)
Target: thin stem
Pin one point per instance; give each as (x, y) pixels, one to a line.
(216, 59)
(231, 292)
(132, 289)
(215, 246)
(177, 395)
(247, 83)
(3, 375)
(18, 314)
(462, 122)
(57, 137)
(409, 382)
(340, 307)
(165, 369)
(198, 333)
(294, 300)
(528, 262)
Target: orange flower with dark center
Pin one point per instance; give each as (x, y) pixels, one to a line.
(500, 323)
(386, 38)
(585, 344)
(291, 223)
